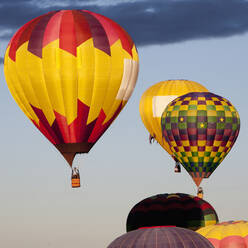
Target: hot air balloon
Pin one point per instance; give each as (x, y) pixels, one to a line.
(155, 99)
(231, 234)
(71, 72)
(201, 129)
(176, 209)
(161, 237)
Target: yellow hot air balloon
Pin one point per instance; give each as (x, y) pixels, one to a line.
(154, 101)
(71, 72)
(229, 234)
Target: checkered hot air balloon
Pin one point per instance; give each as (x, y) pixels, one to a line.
(71, 72)
(201, 129)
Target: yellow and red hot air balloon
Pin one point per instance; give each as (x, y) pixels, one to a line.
(155, 99)
(230, 234)
(71, 72)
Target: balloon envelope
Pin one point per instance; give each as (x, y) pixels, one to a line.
(233, 234)
(176, 209)
(161, 237)
(155, 99)
(71, 72)
(201, 129)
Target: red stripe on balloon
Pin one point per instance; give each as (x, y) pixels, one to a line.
(52, 29)
(82, 28)
(79, 130)
(67, 35)
(60, 127)
(150, 227)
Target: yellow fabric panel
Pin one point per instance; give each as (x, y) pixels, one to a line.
(101, 82)
(35, 87)
(212, 154)
(175, 113)
(221, 231)
(209, 102)
(185, 143)
(187, 98)
(228, 113)
(23, 70)
(145, 110)
(194, 148)
(206, 159)
(69, 84)
(201, 107)
(184, 107)
(201, 142)
(210, 222)
(15, 88)
(216, 159)
(219, 108)
(185, 159)
(188, 154)
(193, 102)
(117, 66)
(195, 159)
(215, 99)
(122, 81)
(86, 68)
(221, 149)
(208, 148)
(217, 143)
(173, 143)
(211, 113)
(152, 123)
(180, 148)
(222, 155)
(192, 113)
(135, 54)
(52, 75)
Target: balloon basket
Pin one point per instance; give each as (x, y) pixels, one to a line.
(75, 182)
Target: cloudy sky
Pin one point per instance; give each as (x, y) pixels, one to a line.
(148, 22)
(205, 41)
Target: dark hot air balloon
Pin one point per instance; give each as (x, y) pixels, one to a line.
(176, 209)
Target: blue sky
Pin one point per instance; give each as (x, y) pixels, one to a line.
(176, 39)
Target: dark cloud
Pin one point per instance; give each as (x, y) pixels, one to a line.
(148, 22)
